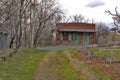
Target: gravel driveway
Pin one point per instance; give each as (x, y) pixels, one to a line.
(61, 47)
(55, 48)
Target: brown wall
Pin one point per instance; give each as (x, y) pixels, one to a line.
(92, 38)
(63, 42)
(58, 37)
(67, 42)
(80, 38)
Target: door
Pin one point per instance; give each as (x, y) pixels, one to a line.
(86, 38)
(75, 37)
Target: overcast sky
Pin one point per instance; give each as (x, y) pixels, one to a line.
(90, 8)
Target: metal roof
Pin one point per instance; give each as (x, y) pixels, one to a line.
(78, 30)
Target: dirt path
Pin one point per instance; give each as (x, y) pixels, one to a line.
(47, 68)
(52, 67)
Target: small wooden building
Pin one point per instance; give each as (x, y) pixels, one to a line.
(75, 33)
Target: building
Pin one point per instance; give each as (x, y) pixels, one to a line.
(75, 33)
(3, 40)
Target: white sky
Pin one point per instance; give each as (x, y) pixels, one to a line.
(90, 8)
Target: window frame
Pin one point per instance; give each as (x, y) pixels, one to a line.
(65, 35)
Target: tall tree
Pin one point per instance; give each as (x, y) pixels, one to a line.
(46, 13)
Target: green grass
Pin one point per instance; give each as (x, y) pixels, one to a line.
(21, 66)
(100, 52)
(5, 52)
(65, 71)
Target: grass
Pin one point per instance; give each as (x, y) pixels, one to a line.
(107, 52)
(5, 52)
(89, 68)
(65, 71)
(55, 66)
(99, 52)
(21, 66)
(99, 74)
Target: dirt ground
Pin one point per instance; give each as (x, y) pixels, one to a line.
(111, 70)
(47, 67)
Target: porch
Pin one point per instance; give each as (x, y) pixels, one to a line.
(76, 38)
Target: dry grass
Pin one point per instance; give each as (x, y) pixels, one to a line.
(111, 69)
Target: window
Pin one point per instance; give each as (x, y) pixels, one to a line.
(65, 36)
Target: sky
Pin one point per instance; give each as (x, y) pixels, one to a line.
(92, 9)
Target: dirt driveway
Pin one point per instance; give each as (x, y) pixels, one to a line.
(60, 65)
(47, 67)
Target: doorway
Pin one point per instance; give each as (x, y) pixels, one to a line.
(86, 38)
(75, 37)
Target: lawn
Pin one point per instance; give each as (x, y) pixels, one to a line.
(106, 51)
(21, 66)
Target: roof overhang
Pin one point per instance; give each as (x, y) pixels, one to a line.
(77, 30)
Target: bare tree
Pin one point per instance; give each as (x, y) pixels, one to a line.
(116, 18)
(102, 31)
(25, 21)
(47, 11)
(79, 18)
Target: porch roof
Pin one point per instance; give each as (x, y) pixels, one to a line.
(78, 30)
